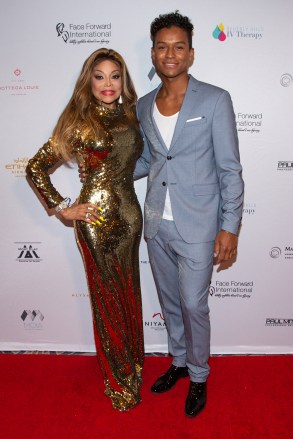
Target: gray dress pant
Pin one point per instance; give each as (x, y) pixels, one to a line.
(182, 274)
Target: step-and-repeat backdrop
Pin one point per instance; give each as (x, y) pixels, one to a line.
(244, 47)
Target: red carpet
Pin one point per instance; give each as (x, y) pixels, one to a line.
(60, 396)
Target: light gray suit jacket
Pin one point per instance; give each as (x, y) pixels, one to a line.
(201, 168)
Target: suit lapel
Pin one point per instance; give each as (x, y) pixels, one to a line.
(152, 121)
(188, 105)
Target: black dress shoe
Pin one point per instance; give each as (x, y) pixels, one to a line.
(169, 379)
(196, 399)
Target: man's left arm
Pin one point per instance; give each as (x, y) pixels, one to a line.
(229, 169)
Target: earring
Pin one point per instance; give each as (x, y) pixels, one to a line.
(120, 100)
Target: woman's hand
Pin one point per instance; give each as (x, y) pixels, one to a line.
(86, 212)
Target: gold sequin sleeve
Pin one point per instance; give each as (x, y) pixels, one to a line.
(37, 170)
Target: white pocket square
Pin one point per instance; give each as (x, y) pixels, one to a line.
(195, 118)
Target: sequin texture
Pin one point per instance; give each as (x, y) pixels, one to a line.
(110, 250)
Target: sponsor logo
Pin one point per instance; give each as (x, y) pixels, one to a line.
(231, 289)
(27, 252)
(80, 295)
(84, 33)
(279, 322)
(32, 320)
(285, 166)
(157, 322)
(277, 252)
(249, 122)
(153, 78)
(239, 32)
(286, 80)
(17, 166)
(249, 209)
(144, 262)
(212, 290)
(288, 253)
(18, 85)
(219, 33)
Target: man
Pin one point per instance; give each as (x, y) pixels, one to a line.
(194, 198)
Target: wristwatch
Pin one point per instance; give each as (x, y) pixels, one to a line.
(65, 203)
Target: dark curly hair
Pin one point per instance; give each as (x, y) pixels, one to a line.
(172, 19)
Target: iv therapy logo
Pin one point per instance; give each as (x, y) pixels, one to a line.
(219, 33)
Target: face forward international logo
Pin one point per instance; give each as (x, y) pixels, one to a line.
(212, 290)
(85, 33)
(32, 320)
(219, 33)
(28, 252)
(61, 32)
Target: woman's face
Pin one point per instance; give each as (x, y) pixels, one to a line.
(106, 83)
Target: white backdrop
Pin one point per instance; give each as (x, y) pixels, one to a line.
(245, 47)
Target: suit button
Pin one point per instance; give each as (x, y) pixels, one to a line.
(164, 183)
(169, 157)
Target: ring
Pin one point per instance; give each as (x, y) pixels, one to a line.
(87, 215)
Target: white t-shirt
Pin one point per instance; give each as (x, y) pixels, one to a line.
(166, 126)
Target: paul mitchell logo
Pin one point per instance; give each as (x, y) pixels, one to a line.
(279, 322)
(285, 166)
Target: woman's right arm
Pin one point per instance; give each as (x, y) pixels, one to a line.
(37, 170)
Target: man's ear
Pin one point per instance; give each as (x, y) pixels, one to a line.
(191, 57)
(152, 54)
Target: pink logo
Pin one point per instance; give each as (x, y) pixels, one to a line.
(17, 72)
(158, 314)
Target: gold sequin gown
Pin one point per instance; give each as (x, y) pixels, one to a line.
(109, 251)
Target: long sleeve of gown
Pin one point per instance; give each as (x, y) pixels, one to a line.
(37, 170)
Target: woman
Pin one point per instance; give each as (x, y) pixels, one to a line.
(100, 131)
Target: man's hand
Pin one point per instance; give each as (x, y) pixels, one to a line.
(225, 246)
(82, 172)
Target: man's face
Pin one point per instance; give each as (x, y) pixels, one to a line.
(171, 54)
